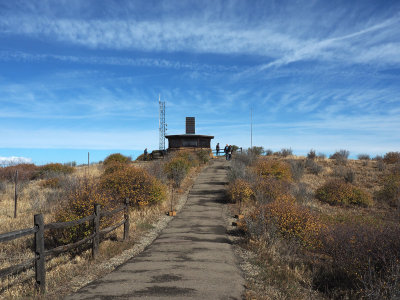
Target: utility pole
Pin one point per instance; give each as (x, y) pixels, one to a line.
(251, 127)
(88, 156)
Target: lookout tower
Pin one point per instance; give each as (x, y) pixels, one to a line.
(189, 140)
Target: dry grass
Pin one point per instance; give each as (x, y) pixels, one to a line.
(287, 270)
(64, 269)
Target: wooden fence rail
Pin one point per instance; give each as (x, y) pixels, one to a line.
(39, 261)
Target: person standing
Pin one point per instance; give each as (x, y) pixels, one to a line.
(145, 154)
(229, 152)
(226, 151)
(217, 148)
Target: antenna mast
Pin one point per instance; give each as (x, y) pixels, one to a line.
(251, 128)
(161, 123)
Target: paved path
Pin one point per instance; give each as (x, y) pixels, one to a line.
(191, 259)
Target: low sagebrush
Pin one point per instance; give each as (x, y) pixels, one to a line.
(338, 192)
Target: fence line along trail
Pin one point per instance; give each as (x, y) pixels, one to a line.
(191, 259)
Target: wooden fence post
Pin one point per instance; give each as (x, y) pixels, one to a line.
(126, 217)
(96, 230)
(40, 272)
(15, 193)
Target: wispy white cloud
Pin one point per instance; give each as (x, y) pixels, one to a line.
(114, 61)
(168, 35)
(14, 160)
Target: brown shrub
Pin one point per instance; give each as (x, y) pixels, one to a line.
(80, 201)
(337, 192)
(51, 183)
(362, 257)
(270, 189)
(240, 190)
(25, 172)
(392, 157)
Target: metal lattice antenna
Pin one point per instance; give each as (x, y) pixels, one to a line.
(161, 123)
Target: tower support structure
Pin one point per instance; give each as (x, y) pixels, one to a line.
(161, 123)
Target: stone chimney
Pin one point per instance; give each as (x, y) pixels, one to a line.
(190, 125)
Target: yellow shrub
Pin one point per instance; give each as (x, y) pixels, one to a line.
(294, 221)
(273, 168)
(133, 183)
(117, 158)
(240, 190)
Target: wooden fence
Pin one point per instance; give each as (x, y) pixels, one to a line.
(38, 262)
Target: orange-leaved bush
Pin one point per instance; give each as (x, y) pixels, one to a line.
(116, 158)
(294, 221)
(25, 172)
(134, 184)
(240, 190)
(273, 168)
(338, 192)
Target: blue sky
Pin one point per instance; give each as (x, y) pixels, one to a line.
(87, 74)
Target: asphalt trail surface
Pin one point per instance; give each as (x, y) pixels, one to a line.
(191, 259)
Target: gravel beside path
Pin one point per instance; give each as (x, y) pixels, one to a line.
(191, 259)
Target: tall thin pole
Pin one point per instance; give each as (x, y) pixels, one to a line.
(88, 157)
(251, 128)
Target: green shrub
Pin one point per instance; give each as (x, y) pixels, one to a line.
(337, 192)
(203, 156)
(116, 158)
(54, 169)
(176, 169)
(392, 157)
